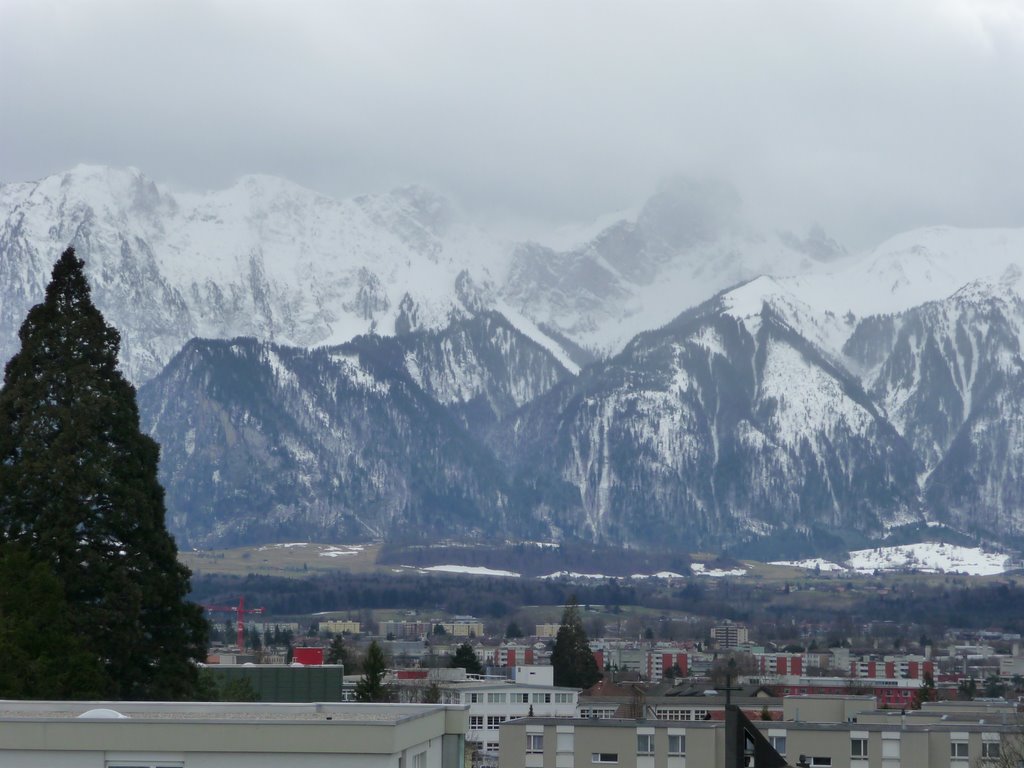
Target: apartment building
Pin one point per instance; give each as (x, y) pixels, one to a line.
(729, 635)
(461, 626)
(340, 626)
(547, 630)
(651, 663)
(494, 702)
(831, 732)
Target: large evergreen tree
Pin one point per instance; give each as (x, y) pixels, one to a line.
(574, 662)
(79, 488)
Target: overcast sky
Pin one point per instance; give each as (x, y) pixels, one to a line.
(867, 116)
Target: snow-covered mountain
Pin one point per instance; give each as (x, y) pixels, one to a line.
(280, 263)
(401, 369)
(265, 258)
(716, 428)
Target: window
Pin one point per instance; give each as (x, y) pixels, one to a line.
(419, 760)
(990, 750)
(645, 744)
(542, 698)
(520, 698)
(493, 721)
(676, 745)
(699, 714)
(491, 746)
(565, 742)
(890, 746)
(671, 713)
(535, 743)
(563, 698)
(476, 698)
(958, 750)
(819, 762)
(778, 744)
(604, 757)
(476, 722)
(495, 698)
(859, 748)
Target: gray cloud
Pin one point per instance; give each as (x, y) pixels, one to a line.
(869, 116)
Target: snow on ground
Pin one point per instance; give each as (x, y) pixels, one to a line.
(475, 570)
(699, 569)
(574, 575)
(929, 556)
(658, 575)
(340, 551)
(810, 564)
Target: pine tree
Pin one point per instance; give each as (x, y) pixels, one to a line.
(79, 488)
(466, 658)
(337, 653)
(371, 685)
(574, 662)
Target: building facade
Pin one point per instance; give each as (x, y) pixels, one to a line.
(863, 740)
(47, 734)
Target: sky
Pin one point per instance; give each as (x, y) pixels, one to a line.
(868, 117)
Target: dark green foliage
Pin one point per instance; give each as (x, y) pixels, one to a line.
(78, 486)
(337, 653)
(513, 631)
(466, 658)
(571, 657)
(42, 656)
(371, 686)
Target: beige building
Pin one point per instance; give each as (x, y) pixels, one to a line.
(337, 627)
(49, 734)
(547, 630)
(464, 628)
(832, 732)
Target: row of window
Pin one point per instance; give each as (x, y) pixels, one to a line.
(644, 746)
(519, 698)
(989, 750)
(476, 722)
(958, 750)
(676, 713)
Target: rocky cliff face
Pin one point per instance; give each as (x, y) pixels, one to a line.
(717, 429)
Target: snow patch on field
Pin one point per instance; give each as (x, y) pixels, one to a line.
(658, 575)
(930, 556)
(825, 566)
(699, 569)
(474, 570)
(323, 550)
(574, 575)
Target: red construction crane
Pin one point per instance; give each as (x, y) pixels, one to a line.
(240, 610)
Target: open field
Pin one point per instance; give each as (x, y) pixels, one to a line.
(296, 560)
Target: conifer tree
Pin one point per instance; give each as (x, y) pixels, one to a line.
(573, 661)
(371, 685)
(466, 658)
(79, 488)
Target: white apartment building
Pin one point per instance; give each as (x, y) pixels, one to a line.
(493, 702)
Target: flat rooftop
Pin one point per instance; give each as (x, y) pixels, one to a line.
(368, 714)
